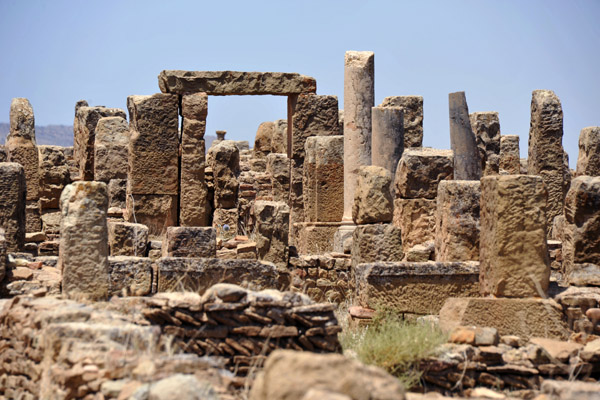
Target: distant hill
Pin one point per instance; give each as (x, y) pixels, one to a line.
(58, 135)
(61, 135)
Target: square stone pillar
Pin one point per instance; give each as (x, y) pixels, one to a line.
(387, 137)
(467, 163)
(510, 158)
(412, 107)
(54, 175)
(486, 127)
(194, 208)
(272, 230)
(12, 205)
(588, 161)
(111, 149)
(83, 252)
(514, 260)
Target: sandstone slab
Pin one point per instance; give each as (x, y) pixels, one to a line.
(416, 220)
(376, 242)
(130, 276)
(420, 170)
(127, 239)
(12, 205)
(373, 199)
(111, 149)
(191, 242)
(271, 231)
(588, 161)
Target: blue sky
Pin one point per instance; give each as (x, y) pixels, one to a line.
(57, 52)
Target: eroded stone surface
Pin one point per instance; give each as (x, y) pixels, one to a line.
(467, 163)
(372, 199)
(420, 170)
(376, 242)
(12, 205)
(588, 161)
(111, 149)
(412, 107)
(130, 276)
(416, 220)
(486, 127)
(272, 230)
(127, 239)
(224, 159)
(387, 143)
(510, 159)
(190, 242)
(54, 175)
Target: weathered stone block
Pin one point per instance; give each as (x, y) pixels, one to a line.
(457, 221)
(111, 149)
(225, 221)
(86, 120)
(412, 107)
(546, 153)
(278, 168)
(271, 231)
(373, 200)
(513, 250)
(83, 254)
(486, 127)
(377, 242)
(130, 276)
(415, 287)
(525, 318)
(127, 239)
(313, 116)
(235, 82)
(263, 140)
(199, 274)
(581, 236)
(117, 193)
(20, 143)
(54, 175)
(12, 205)
(510, 158)
(156, 211)
(315, 237)
(191, 242)
(323, 179)
(416, 220)
(224, 159)
(387, 137)
(194, 202)
(153, 144)
(588, 161)
(279, 141)
(420, 170)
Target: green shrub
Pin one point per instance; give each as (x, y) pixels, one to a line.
(393, 345)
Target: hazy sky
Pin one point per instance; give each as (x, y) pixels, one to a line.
(57, 52)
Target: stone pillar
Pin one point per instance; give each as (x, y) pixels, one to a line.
(546, 153)
(21, 148)
(83, 253)
(312, 116)
(224, 160)
(12, 205)
(457, 221)
(510, 158)
(111, 148)
(278, 168)
(54, 175)
(359, 98)
(514, 259)
(413, 117)
(467, 165)
(86, 119)
(194, 208)
(373, 201)
(588, 161)
(263, 139)
(417, 177)
(486, 127)
(581, 243)
(190, 241)
(387, 137)
(279, 140)
(153, 173)
(271, 230)
(323, 181)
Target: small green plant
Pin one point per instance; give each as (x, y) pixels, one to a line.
(393, 344)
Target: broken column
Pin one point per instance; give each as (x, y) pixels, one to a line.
(110, 149)
(323, 193)
(12, 205)
(224, 159)
(412, 107)
(359, 98)
(86, 119)
(546, 153)
(581, 244)
(588, 161)
(467, 165)
(387, 137)
(514, 259)
(83, 254)
(271, 231)
(21, 148)
(194, 208)
(457, 221)
(312, 116)
(510, 158)
(153, 173)
(417, 177)
(486, 127)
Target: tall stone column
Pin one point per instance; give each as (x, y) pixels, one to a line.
(359, 98)
(486, 127)
(413, 117)
(546, 154)
(194, 208)
(462, 139)
(388, 137)
(12, 205)
(22, 148)
(83, 252)
(510, 158)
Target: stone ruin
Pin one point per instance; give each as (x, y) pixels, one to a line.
(127, 258)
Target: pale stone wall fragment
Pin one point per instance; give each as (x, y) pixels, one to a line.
(373, 201)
